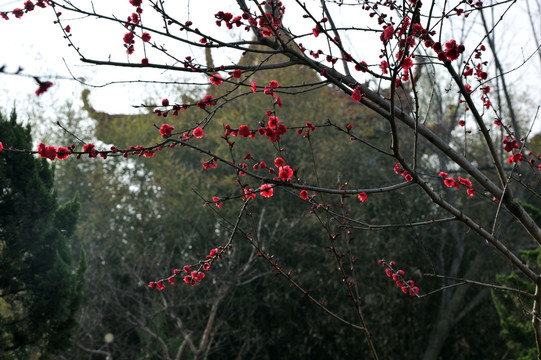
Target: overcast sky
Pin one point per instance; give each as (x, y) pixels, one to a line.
(36, 44)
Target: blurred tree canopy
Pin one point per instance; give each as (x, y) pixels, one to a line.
(40, 291)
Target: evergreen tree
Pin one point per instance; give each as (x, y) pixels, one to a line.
(40, 292)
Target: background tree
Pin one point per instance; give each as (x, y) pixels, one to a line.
(40, 291)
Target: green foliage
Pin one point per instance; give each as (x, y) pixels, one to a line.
(513, 309)
(39, 292)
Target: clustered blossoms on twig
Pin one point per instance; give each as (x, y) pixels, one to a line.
(451, 182)
(193, 277)
(407, 286)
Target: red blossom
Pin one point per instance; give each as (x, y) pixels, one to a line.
(1, 146)
(198, 132)
(165, 102)
(41, 3)
(465, 182)
(388, 32)
(362, 196)
(171, 280)
(18, 13)
(43, 87)
(160, 285)
(249, 194)
(62, 153)
(144, 61)
(208, 100)
(278, 101)
(136, 3)
(266, 190)
(47, 152)
(237, 73)
(29, 6)
(254, 87)
(128, 38)
(151, 284)
(449, 182)
(356, 95)
(279, 162)
(518, 157)
(274, 84)
(217, 201)
(273, 122)
(384, 66)
(166, 130)
(145, 36)
(316, 30)
(443, 174)
(285, 172)
(244, 131)
(407, 64)
(216, 79)
(197, 275)
(304, 195)
(362, 66)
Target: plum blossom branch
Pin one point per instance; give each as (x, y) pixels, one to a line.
(460, 282)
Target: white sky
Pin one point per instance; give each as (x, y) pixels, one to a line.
(36, 44)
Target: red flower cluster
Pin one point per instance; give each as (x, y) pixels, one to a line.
(452, 50)
(285, 172)
(451, 182)
(356, 95)
(407, 287)
(399, 171)
(217, 201)
(249, 194)
(207, 101)
(387, 33)
(510, 144)
(228, 19)
(193, 276)
(50, 152)
(268, 23)
(89, 148)
(274, 130)
(209, 164)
